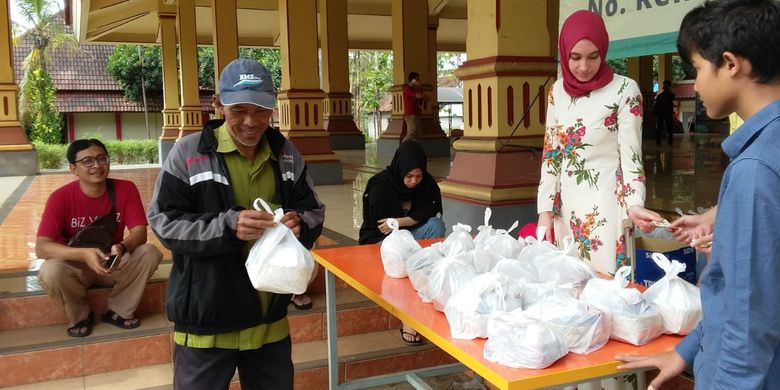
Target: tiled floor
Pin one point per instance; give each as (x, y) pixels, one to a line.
(685, 176)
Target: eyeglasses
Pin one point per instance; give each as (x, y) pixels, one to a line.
(90, 161)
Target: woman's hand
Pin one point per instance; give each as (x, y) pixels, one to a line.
(643, 218)
(546, 221)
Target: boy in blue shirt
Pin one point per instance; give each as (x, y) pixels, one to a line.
(734, 45)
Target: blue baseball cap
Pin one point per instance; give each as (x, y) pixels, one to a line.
(247, 81)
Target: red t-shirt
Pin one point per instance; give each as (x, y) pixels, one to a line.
(411, 101)
(68, 210)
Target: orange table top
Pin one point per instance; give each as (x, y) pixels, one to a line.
(361, 267)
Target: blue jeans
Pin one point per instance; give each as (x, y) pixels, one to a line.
(432, 228)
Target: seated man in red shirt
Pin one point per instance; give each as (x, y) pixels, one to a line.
(69, 271)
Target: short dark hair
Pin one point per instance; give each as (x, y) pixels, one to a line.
(413, 76)
(667, 83)
(81, 144)
(747, 28)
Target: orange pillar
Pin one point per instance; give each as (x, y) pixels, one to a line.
(170, 79)
(17, 157)
(412, 50)
(190, 111)
(301, 100)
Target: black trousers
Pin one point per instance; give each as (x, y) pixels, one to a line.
(267, 368)
(664, 123)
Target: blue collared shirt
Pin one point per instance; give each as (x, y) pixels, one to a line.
(737, 343)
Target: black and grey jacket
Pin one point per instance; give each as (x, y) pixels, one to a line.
(194, 214)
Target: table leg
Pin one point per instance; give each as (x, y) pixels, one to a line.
(333, 353)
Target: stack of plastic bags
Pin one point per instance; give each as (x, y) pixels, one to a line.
(584, 328)
(396, 249)
(677, 300)
(468, 310)
(563, 266)
(518, 341)
(634, 319)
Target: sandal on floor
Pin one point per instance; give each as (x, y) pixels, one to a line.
(411, 338)
(75, 330)
(115, 319)
(301, 298)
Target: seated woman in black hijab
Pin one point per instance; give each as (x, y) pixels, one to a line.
(407, 192)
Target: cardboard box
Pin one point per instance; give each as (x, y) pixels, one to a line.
(646, 272)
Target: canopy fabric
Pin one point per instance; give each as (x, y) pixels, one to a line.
(636, 27)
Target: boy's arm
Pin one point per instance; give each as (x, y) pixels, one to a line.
(746, 245)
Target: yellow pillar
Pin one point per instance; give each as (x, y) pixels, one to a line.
(170, 79)
(301, 100)
(225, 28)
(17, 156)
(412, 51)
(641, 70)
(338, 119)
(511, 66)
(190, 109)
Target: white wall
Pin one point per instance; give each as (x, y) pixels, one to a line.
(134, 125)
(87, 124)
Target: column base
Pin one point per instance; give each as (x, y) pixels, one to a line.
(347, 141)
(324, 172)
(472, 212)
(18, 163)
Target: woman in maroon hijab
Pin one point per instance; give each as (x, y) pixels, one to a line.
(592, 185)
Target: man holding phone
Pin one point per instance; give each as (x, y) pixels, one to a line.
(69, 271)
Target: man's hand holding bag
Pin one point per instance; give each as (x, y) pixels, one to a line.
(278, 262)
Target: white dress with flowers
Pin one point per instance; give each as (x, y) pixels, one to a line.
(592, 169)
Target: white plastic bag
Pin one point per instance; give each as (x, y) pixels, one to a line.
(634, 319)
(503, 244)
(448, 276)
(677, 300)
(278, 262)
(468, 310)
(534, 293)
(485, 230)
(461, 233)
(518, 341)
(537, 247)
(420, 264)
(585, 328)
(396, 249)
(564, 267)
(520, 271)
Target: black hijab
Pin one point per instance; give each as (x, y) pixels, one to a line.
(408, 156)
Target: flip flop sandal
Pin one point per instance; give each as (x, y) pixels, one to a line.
(75, 330)
(115, 319)
(302, 306)
(411, 338)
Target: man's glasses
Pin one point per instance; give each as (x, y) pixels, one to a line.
(90, 161)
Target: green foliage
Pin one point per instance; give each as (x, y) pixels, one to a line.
(38, 112)
(206, 67)
(124, 66)
(370, 78)
(619, 66)
(271, 58)
(51, 156)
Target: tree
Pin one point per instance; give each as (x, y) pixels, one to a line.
(370, 78)
(124, 66)
(37, 110)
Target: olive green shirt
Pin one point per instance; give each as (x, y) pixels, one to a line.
(249, 180)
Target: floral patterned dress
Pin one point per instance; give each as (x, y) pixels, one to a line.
(592, 169)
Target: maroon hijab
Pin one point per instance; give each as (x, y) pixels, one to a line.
(578, 26)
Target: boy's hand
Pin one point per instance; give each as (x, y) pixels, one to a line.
(669, 363)
(690, 227)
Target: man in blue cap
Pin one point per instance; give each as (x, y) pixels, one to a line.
(202, 211)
